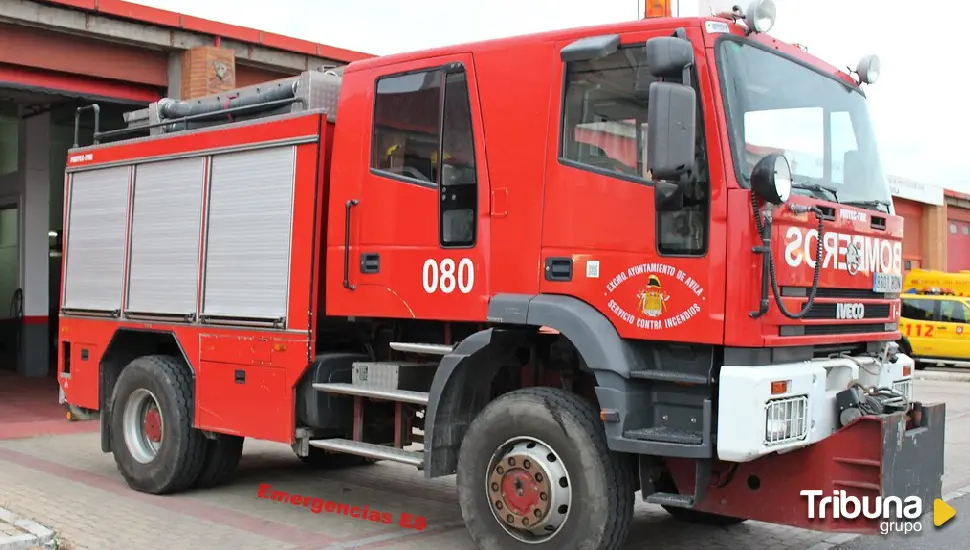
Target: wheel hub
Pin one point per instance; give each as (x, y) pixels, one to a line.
(143, 425)
(529, 490)
(153, 424)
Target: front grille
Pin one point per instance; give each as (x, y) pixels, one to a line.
(842, 328)
(830, 311)
(854, 293)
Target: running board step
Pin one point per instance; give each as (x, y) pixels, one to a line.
(670, 499)
(426, 349)
(666, 435)
(673, 377)
(403, 396)
(370, 450)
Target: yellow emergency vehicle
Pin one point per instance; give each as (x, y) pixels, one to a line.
(931, 280)
(934, 323)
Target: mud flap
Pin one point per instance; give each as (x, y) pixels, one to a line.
(873, 456)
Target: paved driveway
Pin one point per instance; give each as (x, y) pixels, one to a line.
(65, 482)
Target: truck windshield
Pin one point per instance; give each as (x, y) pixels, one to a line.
(820, 124)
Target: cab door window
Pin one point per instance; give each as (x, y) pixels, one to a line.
(604, 130)
(423, 135)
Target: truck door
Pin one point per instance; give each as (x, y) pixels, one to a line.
(423, 206)
(651, 273)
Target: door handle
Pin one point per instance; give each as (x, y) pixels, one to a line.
(559, 270)
(348, 206)
(370, 263)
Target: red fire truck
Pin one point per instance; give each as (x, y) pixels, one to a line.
(452, 259)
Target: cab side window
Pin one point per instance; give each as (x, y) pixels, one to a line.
(407, 126)
(918, 310)
(604, 116)
(604, 130)
(952, 311)
(423, 134)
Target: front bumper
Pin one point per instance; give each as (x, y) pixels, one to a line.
(871, 457)
(756, 418)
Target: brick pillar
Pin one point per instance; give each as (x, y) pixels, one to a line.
(935, 229)
(206, 70)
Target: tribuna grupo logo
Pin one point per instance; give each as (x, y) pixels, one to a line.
(894, 513)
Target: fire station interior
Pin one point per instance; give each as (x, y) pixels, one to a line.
(26, 324)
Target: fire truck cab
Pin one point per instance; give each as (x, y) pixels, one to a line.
(566, 267)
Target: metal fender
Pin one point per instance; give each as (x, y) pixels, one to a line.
(460, 389)
(590, 331)
(461, 385)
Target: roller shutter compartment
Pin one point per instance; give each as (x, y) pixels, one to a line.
(97, 229)
(165, 229)
(248, 235)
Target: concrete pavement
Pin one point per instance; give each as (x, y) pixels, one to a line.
(65, 482)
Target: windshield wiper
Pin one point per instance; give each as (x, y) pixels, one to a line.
(869, 204)
(817, 188)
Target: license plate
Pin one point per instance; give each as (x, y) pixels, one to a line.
(888, 283)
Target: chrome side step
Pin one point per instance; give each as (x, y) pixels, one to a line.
(370, 450)
(375, 392)
(426, 349)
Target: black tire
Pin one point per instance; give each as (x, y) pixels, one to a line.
(319, 459)
(180, 456)
(221, 461)
(702, 518)
(599, 514)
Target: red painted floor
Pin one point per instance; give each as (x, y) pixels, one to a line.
(29, 408)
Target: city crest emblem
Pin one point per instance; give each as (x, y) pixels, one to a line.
(653, 299)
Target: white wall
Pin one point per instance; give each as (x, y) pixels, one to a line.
(36, 215)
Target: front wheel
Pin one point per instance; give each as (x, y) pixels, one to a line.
(535, 472)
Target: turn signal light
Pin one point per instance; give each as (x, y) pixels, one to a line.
(779, 387)
(907, 371)
(656, 8)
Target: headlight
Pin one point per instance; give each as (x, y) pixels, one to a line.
(786, 420)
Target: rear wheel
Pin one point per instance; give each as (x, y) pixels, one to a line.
(154, 444)
(535, 471)
(221, 461)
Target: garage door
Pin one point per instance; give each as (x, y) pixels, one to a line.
(912, 213)
(958, 239)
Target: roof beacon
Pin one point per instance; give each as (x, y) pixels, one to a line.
(869, 69)
(760, 16)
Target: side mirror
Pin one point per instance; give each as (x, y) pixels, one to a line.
(671, 125)
(771, 179)
(668, 56)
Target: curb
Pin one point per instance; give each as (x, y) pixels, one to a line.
(835, 541)
(942, 375)
(37, 534)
